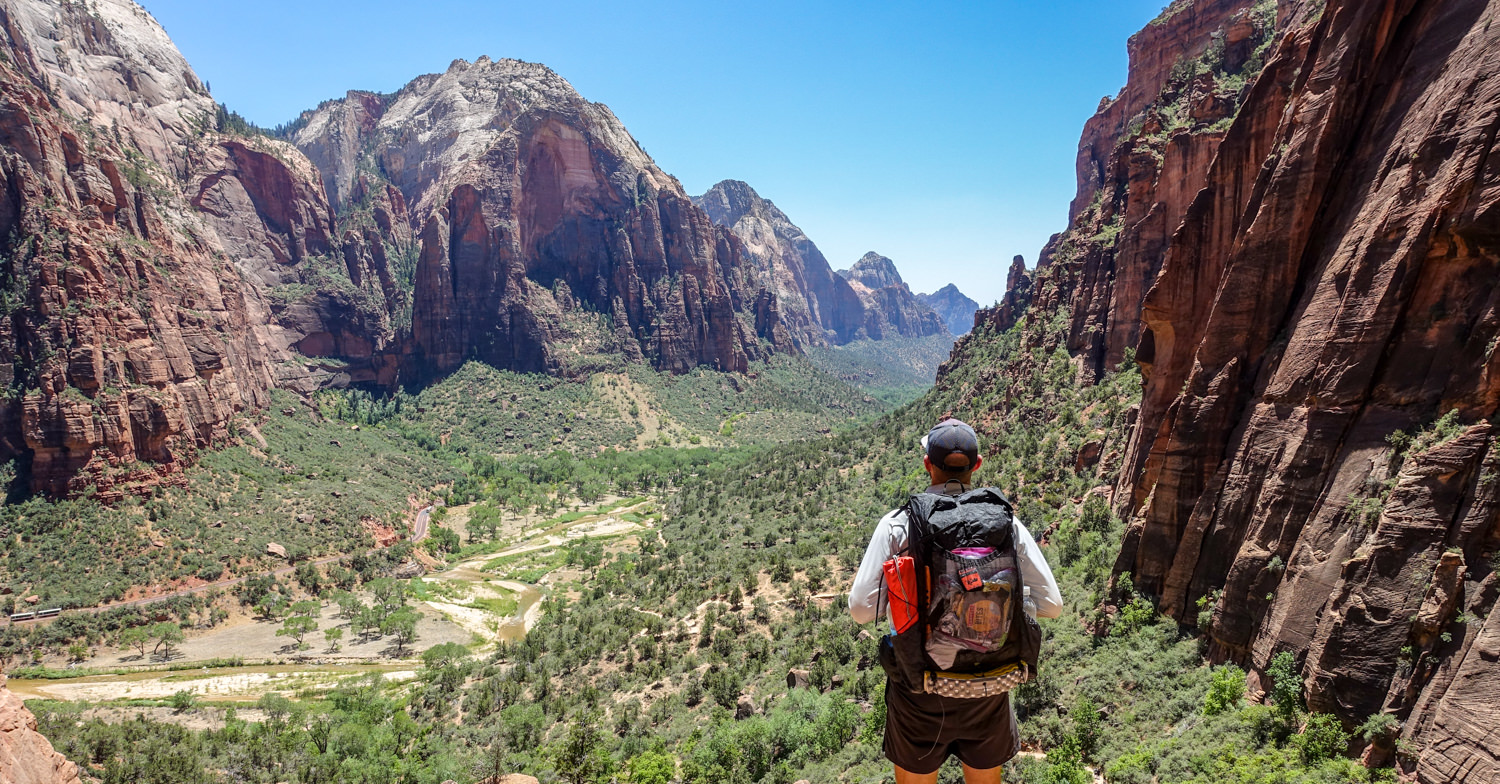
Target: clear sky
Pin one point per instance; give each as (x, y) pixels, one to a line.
(940, 134)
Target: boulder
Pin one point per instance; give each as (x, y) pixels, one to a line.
(26, 757)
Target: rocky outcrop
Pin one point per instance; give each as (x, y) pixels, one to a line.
(891, 309)
(166, 265)
(1007, 312)
(25, 756)
(146, 254)
(955, 309)
(126, 342)
(544, 231)
(817, 306)
(1292, 225)
(1302, 318)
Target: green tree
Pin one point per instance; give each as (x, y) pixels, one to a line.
(401, 624)
(651, 767)
(580, 757)
(298, 627)
(271, 607)
(332, 636)
(1286, 691)
(309, 578)
(166, 634)
(182, 700)
(1225, 689)
(1086, 727)
(1065, 764)
(389, 594)
(444, 540)
(1322, 739)
(736, 599)
(445, 655)
(137, 637)
(369, 621)
(350, 605)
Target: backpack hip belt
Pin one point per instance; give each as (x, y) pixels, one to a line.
(985, 684)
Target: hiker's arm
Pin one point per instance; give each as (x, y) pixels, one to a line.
(864, 596)
(1037, 574)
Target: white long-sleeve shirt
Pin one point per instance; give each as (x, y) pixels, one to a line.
(866, 597)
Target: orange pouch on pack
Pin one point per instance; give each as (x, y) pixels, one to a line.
(901, 591)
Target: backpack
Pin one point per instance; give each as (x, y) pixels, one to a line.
(971, 636)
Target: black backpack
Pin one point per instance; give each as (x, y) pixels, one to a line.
(970, 619)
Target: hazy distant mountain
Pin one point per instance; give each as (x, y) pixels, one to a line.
(955, 309)
(890, 307)
(817, 306)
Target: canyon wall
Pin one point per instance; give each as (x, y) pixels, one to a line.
(166, 265)
(890, 307)
(818, 306)
(140, 243)
(546, 236)
(1289, 217)
(953, 307)
(26, 757)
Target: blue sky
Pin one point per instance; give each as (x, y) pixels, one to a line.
(941, 134)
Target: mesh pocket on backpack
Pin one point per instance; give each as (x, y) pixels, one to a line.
(973, 599)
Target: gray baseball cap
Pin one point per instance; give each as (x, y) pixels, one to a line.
(952, 444)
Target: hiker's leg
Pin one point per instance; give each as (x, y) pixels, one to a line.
(977, 776)
(904, 776)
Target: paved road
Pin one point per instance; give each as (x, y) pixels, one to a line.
(419, 532)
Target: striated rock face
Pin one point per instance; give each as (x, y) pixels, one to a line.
(1299, 320)
(890, 307)
(955, 309)
(126, 342)
(817, 306)
(25, 756)
(145, 255)
(544, 231)
(1292, 222)
(164, 266)
(1007, 312)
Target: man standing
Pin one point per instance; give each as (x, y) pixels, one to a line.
(922, 729)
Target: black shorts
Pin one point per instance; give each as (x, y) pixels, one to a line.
(921, 730)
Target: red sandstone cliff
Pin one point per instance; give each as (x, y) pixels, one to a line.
(165, 266)
(1300, 319)
(817, 306)
(25, 756)
(1294, 228)
(153, 266)
(545, 232)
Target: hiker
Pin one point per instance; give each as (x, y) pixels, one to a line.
(929, 713)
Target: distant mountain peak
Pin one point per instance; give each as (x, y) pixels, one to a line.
(730, 200)
(953, 307)
(874, 271)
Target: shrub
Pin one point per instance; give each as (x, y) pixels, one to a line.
(1225, 690)
(1323, 738)
(182, 700)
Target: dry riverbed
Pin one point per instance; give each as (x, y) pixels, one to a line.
(472, 603)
